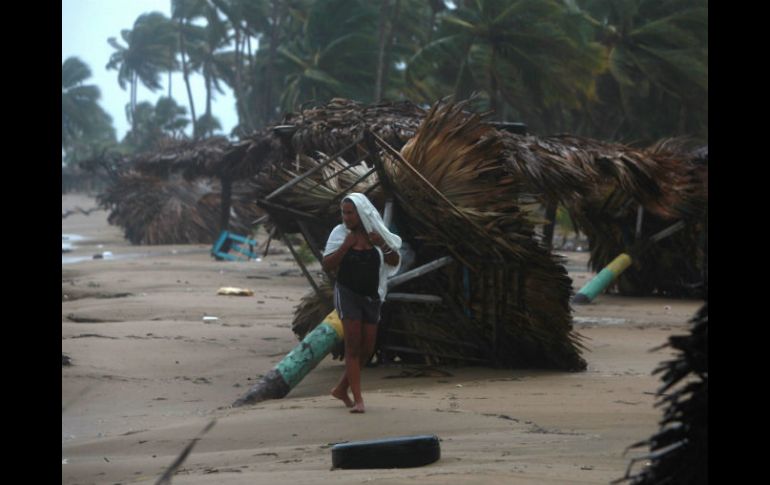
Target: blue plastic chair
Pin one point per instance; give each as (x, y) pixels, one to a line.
(228, 241)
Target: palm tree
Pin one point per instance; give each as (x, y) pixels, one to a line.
(207, 58)
(83, 121)
(521, 55)
(248, 19)
(183, 11)
(149, 50)
(333, 56)
(166, 119)
(657, 82)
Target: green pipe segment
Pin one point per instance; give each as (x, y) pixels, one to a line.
(298, 363)
(602, 280)
(308, 353)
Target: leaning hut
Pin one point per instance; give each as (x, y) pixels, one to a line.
(500, 298)
(637, 195)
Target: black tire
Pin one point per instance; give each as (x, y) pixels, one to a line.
(400, 452)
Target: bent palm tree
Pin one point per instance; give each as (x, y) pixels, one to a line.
(149, 50)
(657, 53)
(81, 116)
(518, 53)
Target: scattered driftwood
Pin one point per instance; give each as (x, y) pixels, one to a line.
(79, 210)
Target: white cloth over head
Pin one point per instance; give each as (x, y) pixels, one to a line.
(372, 221)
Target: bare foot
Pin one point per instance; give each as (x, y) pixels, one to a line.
(342, 396)
(358, 408)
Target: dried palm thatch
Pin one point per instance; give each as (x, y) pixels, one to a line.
(455, 196)
(193, 159)
(662, 185)
(214, 157)
(153, 210)
(342, 122)
(679, 451)
(604, 185)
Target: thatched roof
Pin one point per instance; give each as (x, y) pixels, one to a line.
(341, 122)
(601, 184)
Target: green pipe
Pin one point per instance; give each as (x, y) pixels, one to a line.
(602, 280)
(297, 364)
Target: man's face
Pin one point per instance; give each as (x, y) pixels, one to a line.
(350, 215)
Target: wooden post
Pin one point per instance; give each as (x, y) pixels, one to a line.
(225, 202)
(639, 214)
(548, 229)
(297, 364)
(310, 240)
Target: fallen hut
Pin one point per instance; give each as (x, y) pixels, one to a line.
(502, 300)
(180, 194)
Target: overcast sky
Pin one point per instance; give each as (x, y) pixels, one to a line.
(87, 24)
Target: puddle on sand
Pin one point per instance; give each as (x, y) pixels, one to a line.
(67, 247)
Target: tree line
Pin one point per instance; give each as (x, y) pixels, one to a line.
(619, 70)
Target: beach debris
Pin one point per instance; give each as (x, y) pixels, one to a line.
(297, 363)
(65, 359)
(231, 291)
(397, 452)
(78, 210)
(209, 319)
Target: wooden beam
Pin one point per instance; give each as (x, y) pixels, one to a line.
(310, 240)
(295, 212)
(300, 178)
(301, 264)
(419, 271)
(413, 297)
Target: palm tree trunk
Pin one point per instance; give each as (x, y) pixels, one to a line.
(494, 99)
(267, 99)
(225, 203)
(381, 50)
(389, 44)
(186, 74)
(133, 102)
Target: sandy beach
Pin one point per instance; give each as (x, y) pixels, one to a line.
(148, 374)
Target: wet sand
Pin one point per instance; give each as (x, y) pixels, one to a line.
(148, 374)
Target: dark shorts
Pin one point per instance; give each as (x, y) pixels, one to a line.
(352, 306)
